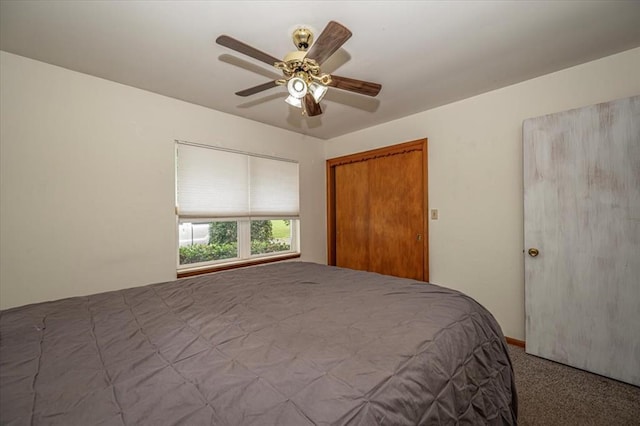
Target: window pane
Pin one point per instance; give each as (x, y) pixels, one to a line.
(208, 241)
(270, 236)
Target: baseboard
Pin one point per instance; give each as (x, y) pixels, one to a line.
(515, 342)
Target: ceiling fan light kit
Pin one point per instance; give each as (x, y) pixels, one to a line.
(297, 90)
(305, 82)
(317, 91)
(296, 102)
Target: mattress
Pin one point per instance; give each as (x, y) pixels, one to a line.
(291, 343)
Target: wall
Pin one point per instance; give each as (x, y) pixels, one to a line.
(475, 175)
(84, 161)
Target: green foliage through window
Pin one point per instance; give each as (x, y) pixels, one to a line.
(207, 252)
(223, 232)
(261, 230)
(223, 241)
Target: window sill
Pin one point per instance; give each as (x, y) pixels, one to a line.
(241, 264)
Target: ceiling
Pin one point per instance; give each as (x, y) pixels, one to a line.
(425, 54)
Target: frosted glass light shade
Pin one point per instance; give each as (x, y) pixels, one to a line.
(317, 91)
(294, 101)
(297, 87)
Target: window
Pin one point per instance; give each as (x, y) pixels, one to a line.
(233, 207)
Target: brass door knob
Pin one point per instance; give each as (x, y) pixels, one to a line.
(533, 252)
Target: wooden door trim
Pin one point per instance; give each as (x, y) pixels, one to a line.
(332, 163)
(417, 145)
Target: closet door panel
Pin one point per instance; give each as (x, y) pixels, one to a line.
(352, 216)
(396, 210)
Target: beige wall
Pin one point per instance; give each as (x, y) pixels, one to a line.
(87, 180)
(475, 175)
(84, 161)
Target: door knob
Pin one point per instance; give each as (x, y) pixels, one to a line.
(533, 252)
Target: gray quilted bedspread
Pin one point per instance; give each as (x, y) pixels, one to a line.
(283, 344)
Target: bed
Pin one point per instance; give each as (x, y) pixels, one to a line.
(291, 343)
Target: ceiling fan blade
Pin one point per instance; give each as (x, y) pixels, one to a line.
(257, 89)
(241, 47)
(311, 106)
(357, 86)
(332, 37)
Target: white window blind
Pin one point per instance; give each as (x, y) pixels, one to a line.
(273, 187)
(219, 183)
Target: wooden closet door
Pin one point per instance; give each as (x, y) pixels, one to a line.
(352, 218)
(376, 211)
(396, 215)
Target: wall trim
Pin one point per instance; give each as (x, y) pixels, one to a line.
(515, 342)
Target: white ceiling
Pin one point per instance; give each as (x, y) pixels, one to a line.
(425, 54)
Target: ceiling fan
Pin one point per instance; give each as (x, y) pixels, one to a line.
(305, 82)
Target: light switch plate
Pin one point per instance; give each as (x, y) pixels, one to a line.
(434, 214)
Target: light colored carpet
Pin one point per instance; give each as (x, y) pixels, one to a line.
(554, 394)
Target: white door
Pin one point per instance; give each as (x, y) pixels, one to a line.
(582, 214)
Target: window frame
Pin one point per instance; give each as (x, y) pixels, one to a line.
(244, 256)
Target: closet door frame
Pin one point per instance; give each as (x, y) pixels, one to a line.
(332, 163)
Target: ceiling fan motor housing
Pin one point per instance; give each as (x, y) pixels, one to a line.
(296, 56)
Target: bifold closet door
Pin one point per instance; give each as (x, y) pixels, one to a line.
(352, 216)
(396, 214)
(379, 215)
